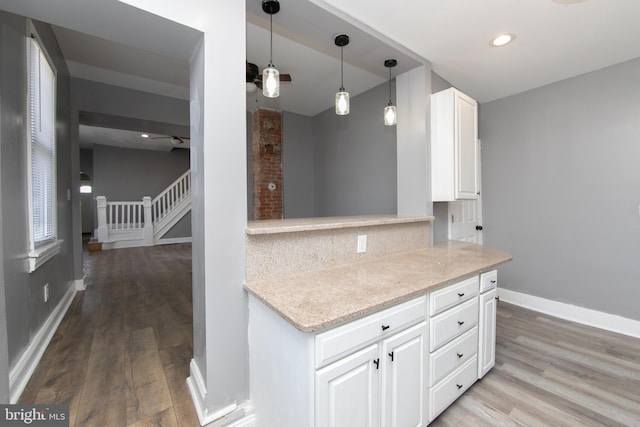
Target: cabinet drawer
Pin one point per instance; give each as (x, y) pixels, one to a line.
(449, 389)
(452, 356)
(452, 295)
(452, 323)
(342, 340)
(488, 280)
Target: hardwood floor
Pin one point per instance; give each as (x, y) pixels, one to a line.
(121, 356)
(551, 372)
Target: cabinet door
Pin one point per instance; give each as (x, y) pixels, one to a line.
(466, 153)
(404, 389)
(487, 329)
(347, 391)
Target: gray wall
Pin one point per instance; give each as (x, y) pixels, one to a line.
(86, 199)
(355, 159)
(26, 310)
(337, 165)
(561, 186)
(298, 171)
(122, 174)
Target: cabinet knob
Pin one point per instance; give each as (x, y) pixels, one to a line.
(497, 298)
(459, 386)
(385, 327)
(460, 322)
(479, 227)
(460, 294)
(460, 355)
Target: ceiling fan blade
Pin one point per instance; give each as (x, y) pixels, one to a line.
(283, 78)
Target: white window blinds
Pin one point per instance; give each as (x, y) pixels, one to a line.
(42, 83)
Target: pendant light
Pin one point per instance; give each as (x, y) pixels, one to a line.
(390, 115)
(271, 76)
(342, 97)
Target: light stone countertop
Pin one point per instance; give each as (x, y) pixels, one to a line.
(317, 300)
(273, 226)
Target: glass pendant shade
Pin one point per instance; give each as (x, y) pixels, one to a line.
(342, 102)
(390, 115)
(271, 82)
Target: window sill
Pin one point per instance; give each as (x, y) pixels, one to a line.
(43, 253)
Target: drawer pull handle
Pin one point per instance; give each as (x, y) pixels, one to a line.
(377, 363)
(385, 327)
(460, 355)
(391, 355)
(460, 322)
(459, 386)
(497, 298)
(493, 281)
(460, 294)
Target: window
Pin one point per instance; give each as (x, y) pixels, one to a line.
(43, 243)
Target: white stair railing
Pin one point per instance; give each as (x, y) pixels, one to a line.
(125, 215)
(138, 220)
(166, 201)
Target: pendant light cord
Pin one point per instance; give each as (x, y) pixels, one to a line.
(389, 85)
(271, 40)
(341, 69)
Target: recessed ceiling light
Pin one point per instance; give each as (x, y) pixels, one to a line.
(144, 135)
(502, 39)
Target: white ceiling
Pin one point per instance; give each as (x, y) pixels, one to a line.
(90, 135)
(555, 40)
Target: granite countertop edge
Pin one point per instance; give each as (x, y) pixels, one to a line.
(278, 226)
(289, 296)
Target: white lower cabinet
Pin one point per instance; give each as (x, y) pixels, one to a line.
(404, 387)
(487, 326)
(449, 389)
(400, 367)
(381, 385)
(347, 391)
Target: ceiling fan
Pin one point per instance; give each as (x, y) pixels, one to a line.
(175, 140)
(254, 77)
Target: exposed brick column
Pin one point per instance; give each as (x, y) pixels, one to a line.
(267, 164)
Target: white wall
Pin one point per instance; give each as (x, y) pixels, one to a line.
(561, 189)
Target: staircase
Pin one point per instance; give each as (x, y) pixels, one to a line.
(144, 223)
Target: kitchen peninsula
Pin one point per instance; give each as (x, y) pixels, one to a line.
(358, 318)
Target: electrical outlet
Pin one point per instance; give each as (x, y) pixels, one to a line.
(46, 292)
(362, 244)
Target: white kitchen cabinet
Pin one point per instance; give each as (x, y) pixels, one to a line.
(404, 388)
(401, 366)
(453, 332)
(487, 323)
(454, 149)
(382, 385)
(347, 391)
(368, 372)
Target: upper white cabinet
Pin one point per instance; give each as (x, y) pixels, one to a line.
(454, 149)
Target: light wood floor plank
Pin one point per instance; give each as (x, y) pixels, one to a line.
(552, 372)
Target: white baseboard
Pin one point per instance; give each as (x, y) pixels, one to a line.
(233, 415)
(25, 366)
(574, 313)
(80, 284)
(174, 240)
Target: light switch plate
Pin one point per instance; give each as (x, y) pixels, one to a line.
(362, 244)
